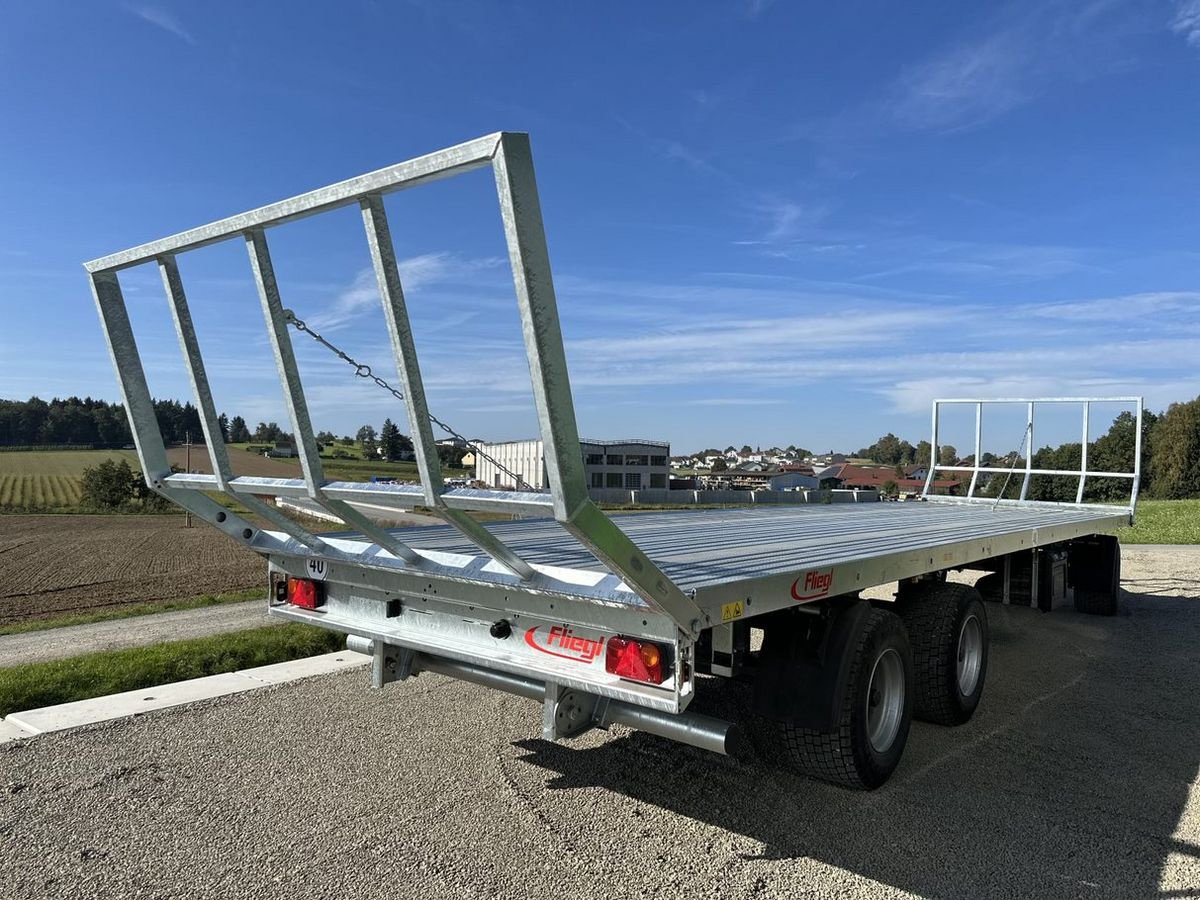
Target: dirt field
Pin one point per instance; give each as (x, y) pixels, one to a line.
(50, 565)
(243, 463)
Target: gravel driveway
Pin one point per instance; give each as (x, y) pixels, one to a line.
(1078, 777)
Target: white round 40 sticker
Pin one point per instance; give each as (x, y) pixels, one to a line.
(316, 568)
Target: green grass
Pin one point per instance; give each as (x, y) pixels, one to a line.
(100, 674)
(127, 612)
(1164, 522)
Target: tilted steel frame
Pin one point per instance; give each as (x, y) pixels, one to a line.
(511, 160)
(1027, 471)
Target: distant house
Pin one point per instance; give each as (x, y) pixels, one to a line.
(850, 476)
(282, 450)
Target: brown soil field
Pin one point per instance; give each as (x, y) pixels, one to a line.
(52, 565)
(243, 463)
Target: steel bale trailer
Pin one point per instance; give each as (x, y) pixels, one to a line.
(613, 619)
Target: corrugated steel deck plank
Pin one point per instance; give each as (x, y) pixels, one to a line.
(708, 547)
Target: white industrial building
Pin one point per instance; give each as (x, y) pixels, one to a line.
(632, 464)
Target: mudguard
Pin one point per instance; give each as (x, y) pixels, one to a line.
(803, 681)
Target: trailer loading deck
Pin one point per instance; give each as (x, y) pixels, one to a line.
(610, 619)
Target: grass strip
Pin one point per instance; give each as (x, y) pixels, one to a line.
(1164, 522)
(130, 611)
(100, 674)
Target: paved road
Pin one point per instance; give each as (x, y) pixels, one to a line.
(1077, 778)
(137, 631)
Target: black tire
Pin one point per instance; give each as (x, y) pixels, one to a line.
(946, 622)
(991, 587)
(846, 755)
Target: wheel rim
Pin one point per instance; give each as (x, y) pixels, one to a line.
(970, 655)
(885, 700)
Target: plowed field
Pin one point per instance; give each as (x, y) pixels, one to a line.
(51, 565)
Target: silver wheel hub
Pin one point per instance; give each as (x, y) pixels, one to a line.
(885, 700)
(970, 655)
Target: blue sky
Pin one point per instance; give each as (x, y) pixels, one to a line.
(769, 223)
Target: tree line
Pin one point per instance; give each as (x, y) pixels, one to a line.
(88, 422)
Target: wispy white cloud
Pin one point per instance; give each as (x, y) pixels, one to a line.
(725, 342)
(1019, 53)
(786, 219)
(361, 296)
(736, 401)
(755, 8)
(978, 260)
(1186, 21)
(968, 84)
(161, 18)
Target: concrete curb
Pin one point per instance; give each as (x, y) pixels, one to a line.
(130, 703)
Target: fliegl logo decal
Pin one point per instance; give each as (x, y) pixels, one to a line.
(559, 640)
(816, 585)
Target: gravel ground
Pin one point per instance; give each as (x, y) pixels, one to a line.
(1077, 777)
(136, 631)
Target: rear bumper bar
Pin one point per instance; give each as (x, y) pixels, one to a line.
(695, 729)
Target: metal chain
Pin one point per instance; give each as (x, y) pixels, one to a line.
(364, 371)
(1013, 468)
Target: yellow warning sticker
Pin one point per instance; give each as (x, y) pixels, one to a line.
(731, 611)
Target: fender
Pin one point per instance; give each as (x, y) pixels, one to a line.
(804, 681)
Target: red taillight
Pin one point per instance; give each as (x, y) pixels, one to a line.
(305, 593)
(635, 660)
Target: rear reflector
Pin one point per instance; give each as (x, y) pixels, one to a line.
(635, 660)
(305, 593)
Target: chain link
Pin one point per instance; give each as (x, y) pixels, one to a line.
(364, 371)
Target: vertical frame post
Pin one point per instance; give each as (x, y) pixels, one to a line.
(391, 293)
(1137, 460)
(218, 453)
(978, 448)
(1028, 454)
(135, 392)
(526, 236)
(933, 449)
(293, 392)
(521, 213)
(1083, 451)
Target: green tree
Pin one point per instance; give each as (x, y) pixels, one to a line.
(947, 455)
(1175, 454)
(389, 440)
(109, 485)
(1113, 452)
(890, 489)
(238, 432)
(887, 451)
(366, 440)
(719, 465)
(922, 454)
(449, 455)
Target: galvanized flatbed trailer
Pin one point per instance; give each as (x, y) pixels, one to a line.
(611, 619)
